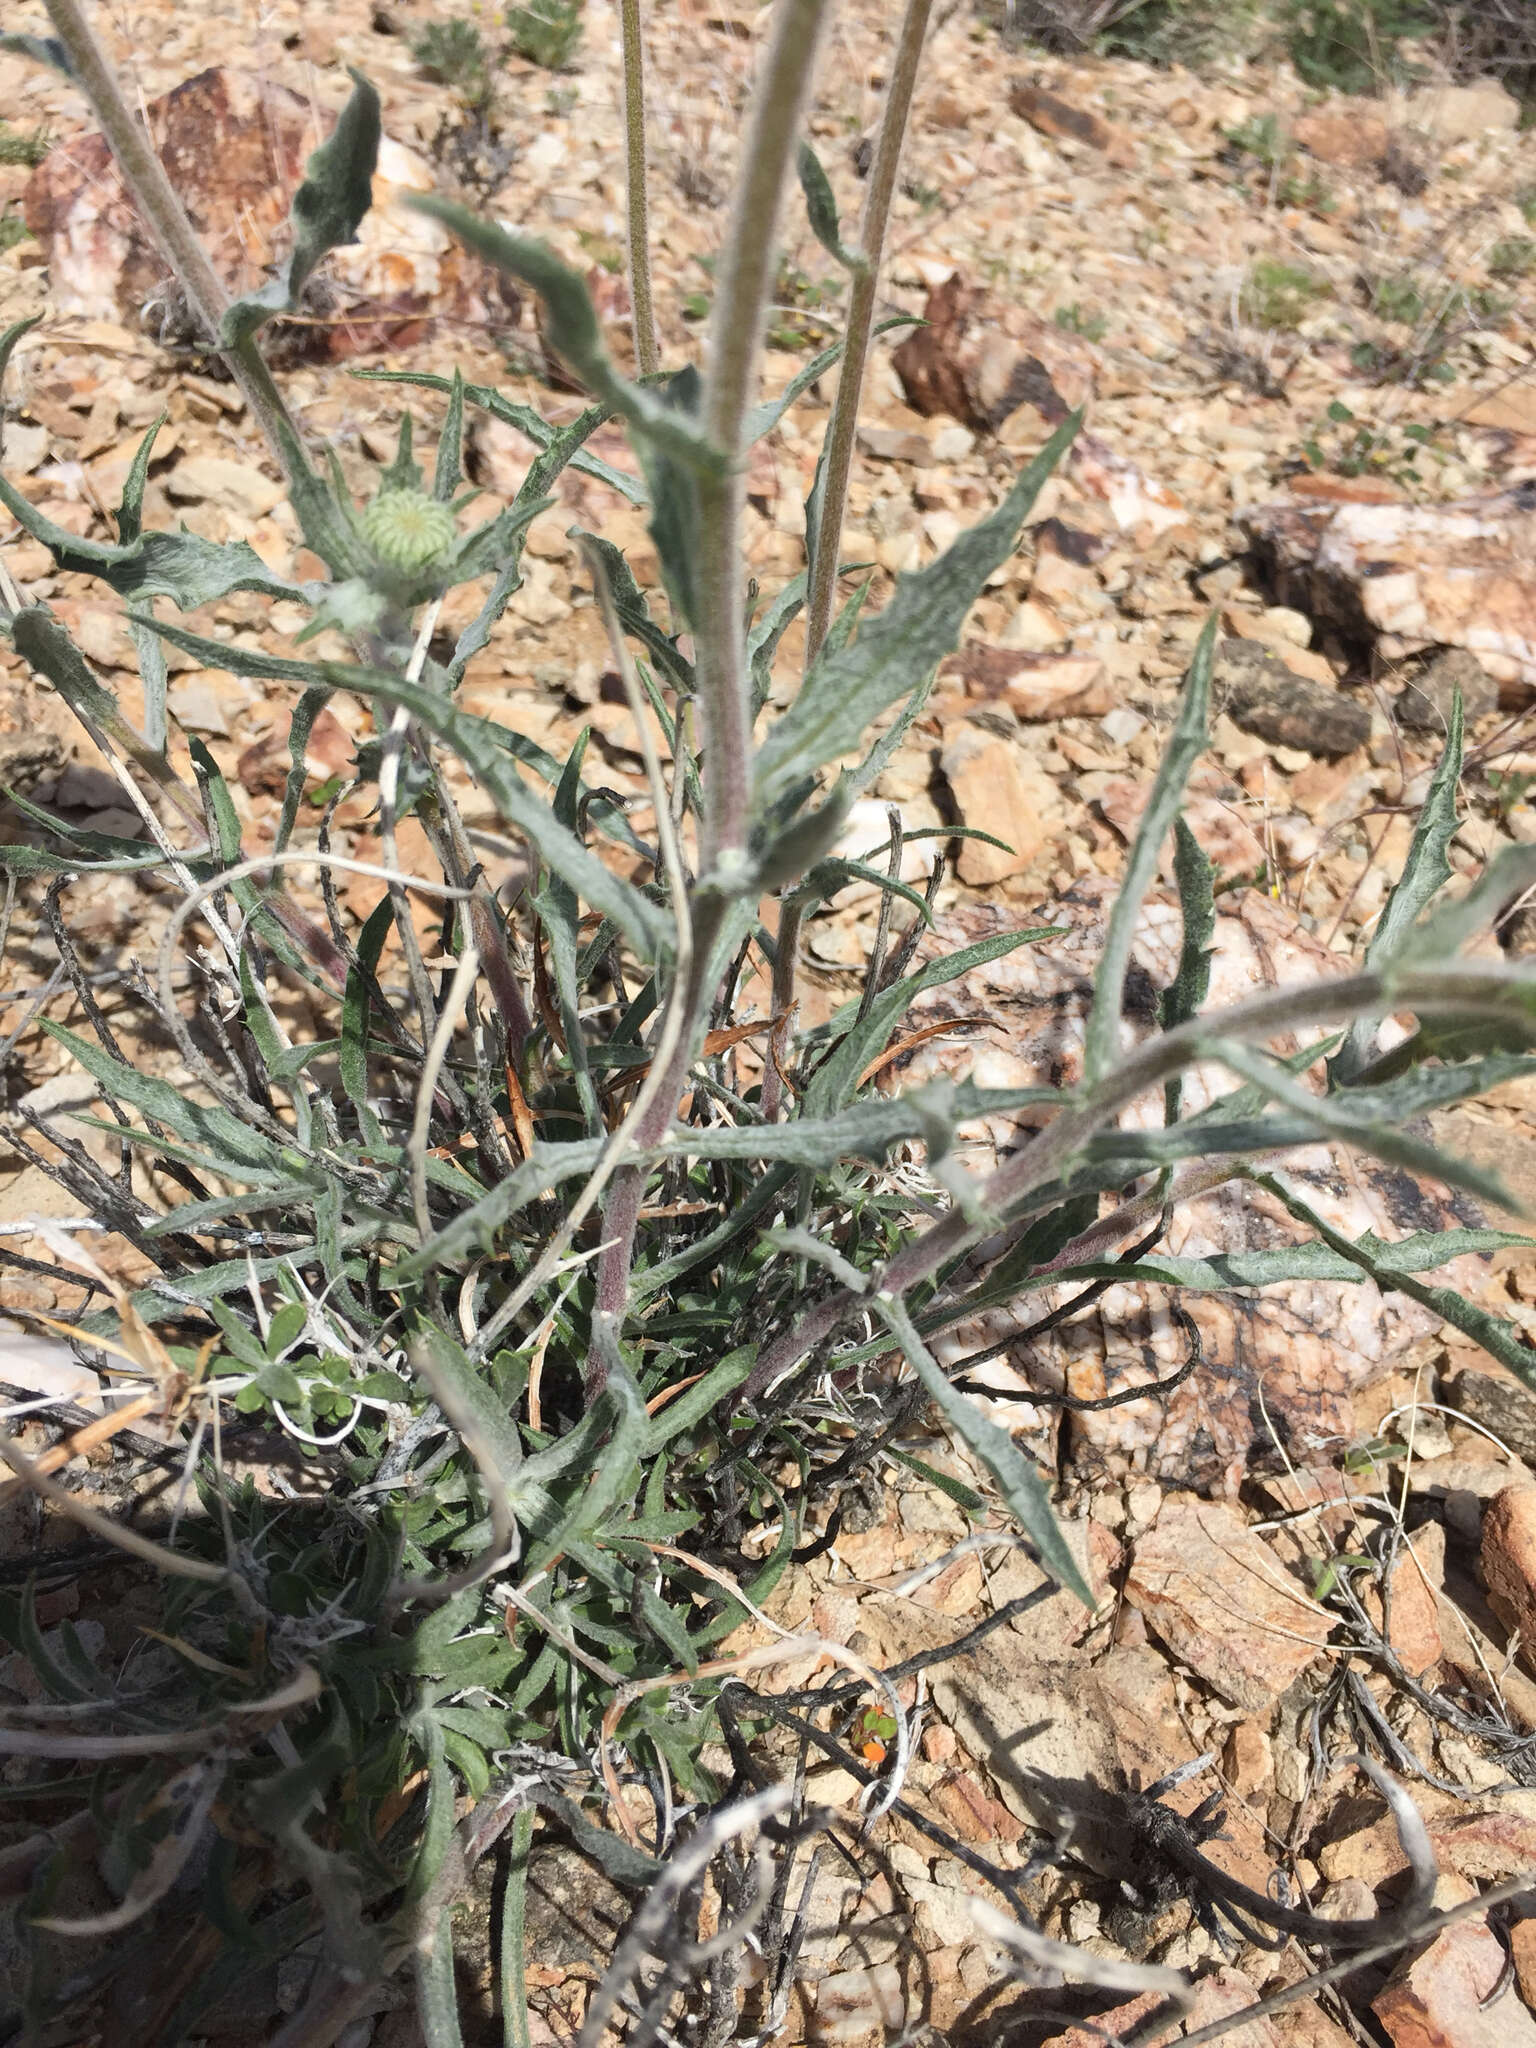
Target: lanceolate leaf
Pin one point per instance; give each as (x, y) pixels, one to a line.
(1338, 1116)
(574, 331)
(1224, 1271)
(1017, 1478)
(546, 1167)
(237, 1148)
(1103, 1043)
(39, 639)
(1425, 872)
(845, 693)
(181, 566)
(762, 419)
(821, 210)
(635, 614)
(327, 210)
(561, 446)
(1197, 906)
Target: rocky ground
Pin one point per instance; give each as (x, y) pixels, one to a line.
(1301, 330)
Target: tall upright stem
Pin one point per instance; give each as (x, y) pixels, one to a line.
(743, 283)
(145, 177)
(861, 317)
(642, 306)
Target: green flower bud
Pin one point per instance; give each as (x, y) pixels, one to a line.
(408, 531)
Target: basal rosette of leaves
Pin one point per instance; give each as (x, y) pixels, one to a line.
(581, 1369)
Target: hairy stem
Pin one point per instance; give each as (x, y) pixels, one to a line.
(744, 280)
(642, 306)
(861, 318)
(144, 174)
(780, 1005)
(743, 284)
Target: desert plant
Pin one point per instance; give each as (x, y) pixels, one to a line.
(548, 33)
(469, 141)
(19, 148)
(1354, 46)
(1279, 296)
(1076, 319)
(584, 1319)
(1512, 256)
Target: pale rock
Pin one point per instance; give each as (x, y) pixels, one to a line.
(1463, 113)
(1279, 626)
(859, 2008)
(895, 444)
(899, 554)
(1348, 1898)
(1121, 725)
(952, 443)
(999, 790)
(1224, 1605)
(1033, 629)
(537, 601)
(548, 537)
(237, 487)
(1249, 1759)
(23, 448)
(866, 837)
(195, 705)
(1508, 1561)
(1417, 576)
(1511, 409)
(1033, 686)
(1435, 1999)
(32, 1362)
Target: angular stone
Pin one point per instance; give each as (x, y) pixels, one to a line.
(1354, 137)
(895, 444)
(999, 790)
(237, 487)
(1522, 1946)
(1033, 629)
(1415, 1580)
(1499, 1402)
(1508, 1561)
(1435, 2000)
(856, 2007)
(979, 358)
(1425, 704)
(1220, 1996)
(1413, 577)
(1462, 113)
(1306, 2025)
(1510, 410)
(1224, 1605)
(1058, 118)
(235, 145)
(1033, 686)
(1262, 696)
